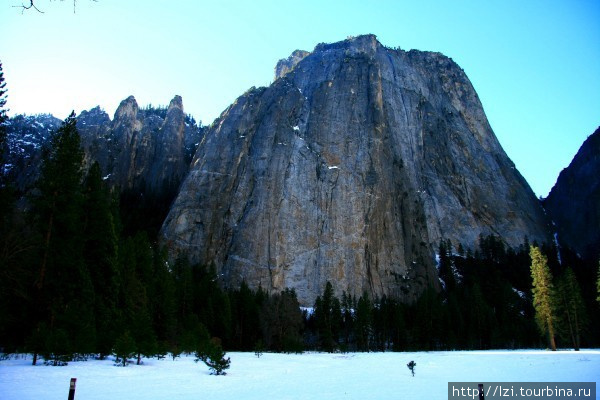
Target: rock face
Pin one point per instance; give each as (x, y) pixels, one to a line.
(285, 65)
(140, 148)
(574, 201)
(349, 168)
(146, 149)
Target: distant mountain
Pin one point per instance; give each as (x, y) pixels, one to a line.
(350, 168)
(26, 134)
(574, 201)
(147, 149)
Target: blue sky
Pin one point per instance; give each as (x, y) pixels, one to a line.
(535, 64)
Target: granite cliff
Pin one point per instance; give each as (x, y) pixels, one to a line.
(140, 149)
(574, 201)
(349, 168)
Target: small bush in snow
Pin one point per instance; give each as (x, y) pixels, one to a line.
(124, 349)
(212, 354)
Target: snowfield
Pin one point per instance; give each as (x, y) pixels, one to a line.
(304, 376)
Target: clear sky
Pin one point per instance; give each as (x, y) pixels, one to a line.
(534, 63)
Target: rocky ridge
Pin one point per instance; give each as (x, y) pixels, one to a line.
(146, 149)
(574, 201)
(349, 168)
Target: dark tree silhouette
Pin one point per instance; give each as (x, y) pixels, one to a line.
(411, 365)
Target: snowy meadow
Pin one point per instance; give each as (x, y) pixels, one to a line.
(296, 376)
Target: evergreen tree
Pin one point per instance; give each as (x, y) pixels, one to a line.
(245, 314)
(428, 320)
(347, 319)
(11, 278)
(543, 295)
(281, 322)
(64, 292)
(136, 275)
(363, 323)
(57, 347)
(571, 307)
(162, 302)
(328, 317)
(479, 318)
(454, 321)
(184, 300)
(212, 354)
(101, 256)
(124, 349)
(210, 303)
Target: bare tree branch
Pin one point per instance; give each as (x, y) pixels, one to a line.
(32, 4)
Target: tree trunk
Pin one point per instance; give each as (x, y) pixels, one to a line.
(47, 238)
(571, 330)
(551, 336)
(577, 340)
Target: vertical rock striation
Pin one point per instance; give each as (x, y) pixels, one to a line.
(349, 168)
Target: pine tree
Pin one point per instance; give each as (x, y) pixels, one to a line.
(281, 322)
(134, 301)
(428, 327)
(363, 323)
(328, 317)
(479, 314)
(162, 302)
(347, 318)
(101, 256)
(124, 349)
(543, 295)
(212, 354)
(571, 307)
(6, 207)
(245, 314)
(64, 292)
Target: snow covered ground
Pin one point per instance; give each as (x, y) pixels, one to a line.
(303, 376)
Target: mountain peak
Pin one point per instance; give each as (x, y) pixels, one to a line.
(285, 65)
(127, 109)
(177, 102)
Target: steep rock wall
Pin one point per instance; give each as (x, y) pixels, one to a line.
(574, 201)
(349, 168)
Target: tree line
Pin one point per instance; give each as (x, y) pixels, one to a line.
(488, 300)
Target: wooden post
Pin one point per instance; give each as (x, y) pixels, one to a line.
(72, 389)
